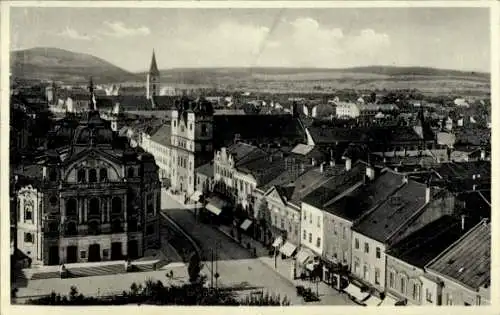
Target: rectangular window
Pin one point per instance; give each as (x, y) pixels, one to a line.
(403, 285)
(365, 272)
(344, 232)
(305, 235)
(318, 242)
(367, 248)
(334, 229)
(83, 254)
(428, 295)
(311, 219)
(478, 300)
(391, 279)
(310, 237)
(416, 292)
(356, 265)
(105, 253)
(377, 276)
(305, 216)
(282, 223)
(378, 252)
(356, 243)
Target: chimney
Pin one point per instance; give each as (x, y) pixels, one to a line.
(483, 155)
(463, 221)
(348, 163)
(427, 193)
(370, 172)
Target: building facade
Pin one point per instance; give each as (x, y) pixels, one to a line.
(92, 199)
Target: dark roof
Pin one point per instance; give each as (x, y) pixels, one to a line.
(243, 153)
(388, 217)
(257, 128)
(367, 196)
(264, 169)
(462, 171)
(162, 135)
(153, 69)
(307, 182)
(336, 185)
(468, 261)
(206, 169)
(425, 244)
(475, 204)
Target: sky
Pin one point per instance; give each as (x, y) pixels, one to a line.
(448, 38)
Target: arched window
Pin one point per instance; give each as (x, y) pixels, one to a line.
(52, 175)
(71, 228)
(94, 228)
(71, 207)
(94, 207)
(116, 205)
(92, 175)
(103, 174)
(81, 175)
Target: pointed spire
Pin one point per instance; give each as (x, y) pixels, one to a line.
(92, 102)
(153, 69)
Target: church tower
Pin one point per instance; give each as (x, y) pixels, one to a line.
(152, 79)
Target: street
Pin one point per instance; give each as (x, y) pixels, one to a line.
(236, 266)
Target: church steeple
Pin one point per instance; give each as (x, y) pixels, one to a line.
(153, 69)
(152, 79)
(92, 102)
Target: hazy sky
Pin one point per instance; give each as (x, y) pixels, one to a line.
(450, 38)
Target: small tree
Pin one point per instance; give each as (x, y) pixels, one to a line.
(194, 268)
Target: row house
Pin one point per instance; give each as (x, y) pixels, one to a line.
(342, 180)
(407, 259)
(158, 145)
(341, 213)
(461, 275)
(409, 208)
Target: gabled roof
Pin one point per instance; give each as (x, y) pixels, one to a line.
(339, 182)
(468, 261)
(162, 135)
(388, 217)
(243, 153)
(425, 244)
(206, 169)
(153, 69)
(367, 196)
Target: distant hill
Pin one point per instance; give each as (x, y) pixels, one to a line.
(47, 63)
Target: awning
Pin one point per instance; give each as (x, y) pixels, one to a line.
(212, 208)
(372, 301)
(388, 301)
(278, 241)
(288, 249)
(215, 205)
(355, 292)
(246, 224)
(196, 196)
(303, 255)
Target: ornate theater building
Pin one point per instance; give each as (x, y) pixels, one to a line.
(90, 197)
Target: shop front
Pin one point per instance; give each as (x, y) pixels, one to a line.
(307, 263)
(335, 274)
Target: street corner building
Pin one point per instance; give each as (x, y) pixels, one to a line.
(89, 197)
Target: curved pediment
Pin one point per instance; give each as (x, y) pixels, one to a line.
(92, 160)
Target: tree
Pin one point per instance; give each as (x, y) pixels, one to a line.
(194, 268)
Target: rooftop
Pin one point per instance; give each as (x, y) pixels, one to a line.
(425, 244)
(388, 217)
(206, 169)
(162, 135)
(243, 153)
(367, 196)
(340, 181)
(468, 261)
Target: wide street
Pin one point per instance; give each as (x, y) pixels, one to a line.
(236, 266)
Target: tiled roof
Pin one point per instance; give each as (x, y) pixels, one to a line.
(264, 169)
(340, 181)
(162, 135)
(364, 198)
(425, 244)
(465, 170)
(206, 169)
(306, 183)
(243, 153)
(385, 220)
(258, 128)
(468, 261)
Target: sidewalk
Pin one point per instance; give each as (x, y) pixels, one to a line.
(327, 294)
